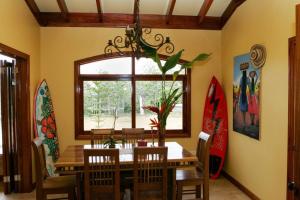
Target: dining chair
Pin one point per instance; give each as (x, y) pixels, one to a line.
(150, 173)
(197, 176)
(98, 136)
(131, 135)
(101, 174)
(46, 185)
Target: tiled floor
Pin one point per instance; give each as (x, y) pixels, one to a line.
(220, 189)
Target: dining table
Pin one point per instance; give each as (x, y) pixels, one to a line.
(71, 161)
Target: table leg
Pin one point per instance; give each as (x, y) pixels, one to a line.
(174, 187)
(79, 184)
(172, 184)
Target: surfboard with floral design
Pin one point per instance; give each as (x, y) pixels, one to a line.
(44, 124)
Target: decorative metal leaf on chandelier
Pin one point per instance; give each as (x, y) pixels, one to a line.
(134, 38)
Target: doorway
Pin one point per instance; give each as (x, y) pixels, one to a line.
(15, 120)
(4, 59)
(7, 128)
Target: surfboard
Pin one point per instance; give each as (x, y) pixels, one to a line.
(215, 122)
(45, 125)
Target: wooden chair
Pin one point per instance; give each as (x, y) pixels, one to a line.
(198, 176)
(101, 174)
(46, 185)
(98, 136)
(131, 135)
(150, 173)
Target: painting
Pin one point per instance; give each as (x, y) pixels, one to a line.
(246, 96)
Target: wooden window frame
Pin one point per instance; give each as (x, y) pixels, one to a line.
(80, 134)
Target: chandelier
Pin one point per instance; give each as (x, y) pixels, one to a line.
(134, 39)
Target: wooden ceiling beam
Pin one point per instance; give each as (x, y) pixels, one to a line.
(122, 20)
(204, 9)
(135, 10)
(35, 10)
(63, 8)
(234, 4)
(100, 19)
(171, 9)
(99, 9)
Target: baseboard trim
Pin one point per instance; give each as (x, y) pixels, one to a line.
(245, 190)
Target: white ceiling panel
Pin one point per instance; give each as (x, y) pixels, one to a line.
(47, 6)
(218, 7)
(187, 7)
(156, 7)
(117, 6)
(81, 6)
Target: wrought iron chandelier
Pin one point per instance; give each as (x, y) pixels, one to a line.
(134, 38)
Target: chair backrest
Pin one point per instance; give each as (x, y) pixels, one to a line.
(40, 162)
(150, 169)
(131, 135)
(98, 136)
(203, 149)
(101, 172)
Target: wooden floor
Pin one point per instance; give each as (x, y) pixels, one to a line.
(220, 189)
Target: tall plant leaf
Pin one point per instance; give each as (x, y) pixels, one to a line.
(151, 52)
(175, 74)
(172, 61)
(200, 57)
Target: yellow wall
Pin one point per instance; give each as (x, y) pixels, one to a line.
(261, 165)
(20, 30)
(60, 47)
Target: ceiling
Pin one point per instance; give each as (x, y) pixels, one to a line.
(182, 14)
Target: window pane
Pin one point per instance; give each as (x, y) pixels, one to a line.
(147, 93)
(111, 66)
(148, 66)
(8, 59)
(107, 104)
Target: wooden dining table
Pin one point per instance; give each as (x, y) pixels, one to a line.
(71, 161)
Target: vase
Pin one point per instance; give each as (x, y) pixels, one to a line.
(161, 136)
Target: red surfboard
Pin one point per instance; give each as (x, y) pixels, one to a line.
(215, 121)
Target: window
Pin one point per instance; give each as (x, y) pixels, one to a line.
(111, 91)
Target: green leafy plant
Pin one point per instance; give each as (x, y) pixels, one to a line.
(110, 142)
(169, 97)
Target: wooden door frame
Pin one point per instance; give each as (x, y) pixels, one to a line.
(294, 115)
(291, 115)
(24, 117)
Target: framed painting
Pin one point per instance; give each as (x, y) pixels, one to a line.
(246, 96)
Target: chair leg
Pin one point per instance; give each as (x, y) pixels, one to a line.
(71, 195)
(78, 185)
(174, 191)
(205, 192)
(39, 194)
(198, 191)
(179, 192)
(135, 193)
(44, 196)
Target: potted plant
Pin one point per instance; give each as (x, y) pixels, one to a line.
(110, 142)
(170, 96)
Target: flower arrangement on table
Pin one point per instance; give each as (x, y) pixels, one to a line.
(169, 97)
